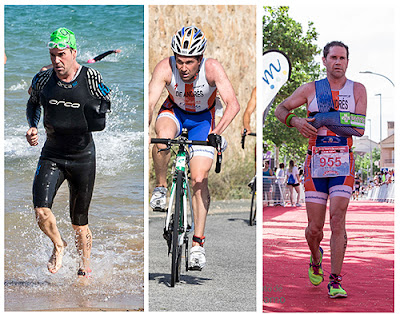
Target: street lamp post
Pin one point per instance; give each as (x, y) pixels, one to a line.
(380, 116)
(369, 72)
(370, 147)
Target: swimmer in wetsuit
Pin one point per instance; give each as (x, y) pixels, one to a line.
(75, 101)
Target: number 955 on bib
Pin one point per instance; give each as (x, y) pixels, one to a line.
(330, 161)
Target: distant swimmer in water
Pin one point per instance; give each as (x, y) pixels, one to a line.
(75, 101)
(103, 55)
(95, 59)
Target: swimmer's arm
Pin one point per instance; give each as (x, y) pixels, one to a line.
(96, 85)
(251, 106)
(33, 111)
(297, 99)
(216, 76)
(161, 76)
(105, 54)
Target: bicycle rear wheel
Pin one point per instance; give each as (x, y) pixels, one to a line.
(253, 205)
(176, 247)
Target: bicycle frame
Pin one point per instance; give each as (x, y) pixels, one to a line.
(177, 228)
(180, 165)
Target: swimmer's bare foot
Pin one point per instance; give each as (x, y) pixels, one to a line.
(55, 261)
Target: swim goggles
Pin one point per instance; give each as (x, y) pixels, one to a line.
(59, 45)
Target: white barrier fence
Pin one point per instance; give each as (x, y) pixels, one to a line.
(382, 193)
(277, 193)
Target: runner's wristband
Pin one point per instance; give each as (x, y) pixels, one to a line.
(288, 118)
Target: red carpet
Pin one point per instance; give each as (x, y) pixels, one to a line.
(368, 269)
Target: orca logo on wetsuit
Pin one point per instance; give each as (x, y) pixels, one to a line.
(67, 85)
(64, 103)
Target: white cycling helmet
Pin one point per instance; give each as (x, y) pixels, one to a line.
(189, 41)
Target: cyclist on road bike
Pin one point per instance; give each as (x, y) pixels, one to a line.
(336, 110)
(192, 83)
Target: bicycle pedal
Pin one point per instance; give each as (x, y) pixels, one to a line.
(195, 268)
(167, 237)
(159, 209)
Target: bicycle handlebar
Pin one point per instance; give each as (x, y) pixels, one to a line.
(183, 141)
(244, 136)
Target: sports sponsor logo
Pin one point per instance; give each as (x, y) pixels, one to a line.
(358, 121)
(330, 139)
(67, 85)
(345, 117)
(64, 103)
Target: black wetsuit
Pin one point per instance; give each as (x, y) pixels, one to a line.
(71, 111)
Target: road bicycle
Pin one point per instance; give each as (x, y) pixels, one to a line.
(252, 185)
(179, 218)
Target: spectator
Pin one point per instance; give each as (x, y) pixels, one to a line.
(293, 182)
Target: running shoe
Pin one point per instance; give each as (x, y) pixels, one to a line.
(335, 289)
(315, 272)
(298, 205)
(159, 199)
(197, 258)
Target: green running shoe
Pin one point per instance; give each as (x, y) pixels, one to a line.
(335, 289)
(315, 272)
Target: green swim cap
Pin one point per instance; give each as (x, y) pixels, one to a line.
(62, 38)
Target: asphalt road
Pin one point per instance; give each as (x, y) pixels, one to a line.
(227, 283)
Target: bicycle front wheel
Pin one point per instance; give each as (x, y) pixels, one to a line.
(176, 247)
(253, 206)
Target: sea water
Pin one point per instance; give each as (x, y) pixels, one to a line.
(116, 212)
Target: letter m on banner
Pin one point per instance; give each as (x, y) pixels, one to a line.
(270, 72)
(276, 72)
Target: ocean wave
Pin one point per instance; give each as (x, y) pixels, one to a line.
(19, 86)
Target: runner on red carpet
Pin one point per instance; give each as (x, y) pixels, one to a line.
(336, 109)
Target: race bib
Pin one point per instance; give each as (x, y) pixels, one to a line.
(330, 161)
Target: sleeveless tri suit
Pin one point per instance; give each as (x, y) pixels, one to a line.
(71, 112)
(329, 166)
(191, 106)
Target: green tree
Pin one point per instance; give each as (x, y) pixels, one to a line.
(281, 32)
(363, 164)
